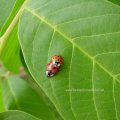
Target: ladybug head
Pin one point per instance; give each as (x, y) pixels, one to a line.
(57, 60)
(56, 63)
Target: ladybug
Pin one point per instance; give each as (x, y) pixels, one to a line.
(57, 60)
(51, 70)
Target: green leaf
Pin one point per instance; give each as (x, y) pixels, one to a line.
(16, 115)
(8, 10)
(115, 1)
(87, 34)
(2, 73)
(11, 52)
(9, 44)
(17, 95)
(1, 99)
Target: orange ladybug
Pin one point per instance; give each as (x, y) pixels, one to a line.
(57, 60)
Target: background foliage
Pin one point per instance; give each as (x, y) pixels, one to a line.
(86, 33)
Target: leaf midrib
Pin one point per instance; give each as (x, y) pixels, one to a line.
(72, 42)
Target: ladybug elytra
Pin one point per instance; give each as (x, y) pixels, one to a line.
(51, 70)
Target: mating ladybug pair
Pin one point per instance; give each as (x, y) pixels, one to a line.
(54, 65)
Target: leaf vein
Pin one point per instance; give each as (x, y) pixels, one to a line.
(70, 78)
(114, 100)
(84, 18)
(104, 53)
(94, 91)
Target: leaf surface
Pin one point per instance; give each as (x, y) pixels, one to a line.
(18, 95)
(87, 34)
(9, 44)
(10, 54)
(8, 10)
(1, 100)
(16, 115)
(115, 1)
